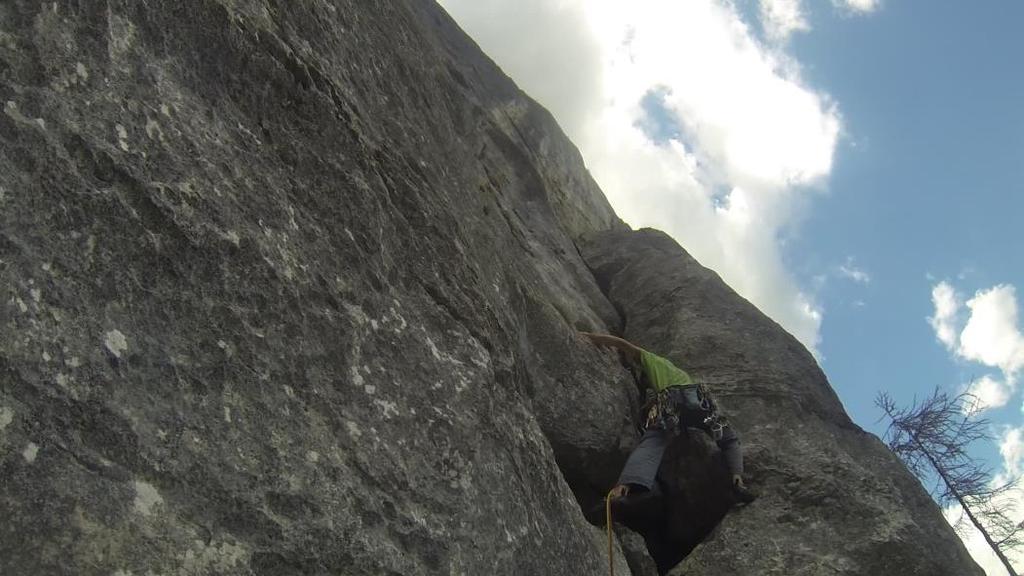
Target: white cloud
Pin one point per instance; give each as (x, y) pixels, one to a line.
(1012, 449)
(947, 309)
(781, 18)
(858, 6)
(547, 46)
(752, 139)
(851, 271)
(991, 335)
(989, 393)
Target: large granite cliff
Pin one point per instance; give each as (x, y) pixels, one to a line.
(292, 288)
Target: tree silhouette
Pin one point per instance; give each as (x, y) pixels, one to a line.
(932, 438)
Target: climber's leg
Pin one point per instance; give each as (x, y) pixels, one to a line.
(636, 498)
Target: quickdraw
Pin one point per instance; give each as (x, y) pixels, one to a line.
(714, 427)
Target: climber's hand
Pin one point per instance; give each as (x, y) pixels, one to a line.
(619, 491)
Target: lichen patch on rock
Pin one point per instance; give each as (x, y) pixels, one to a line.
(115, 343)
(146, 498)
(6, 417)
(30, 452)
(122, 137)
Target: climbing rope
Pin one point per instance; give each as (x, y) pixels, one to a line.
(608, 523)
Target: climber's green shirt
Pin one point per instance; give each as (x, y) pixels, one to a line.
(661, 373)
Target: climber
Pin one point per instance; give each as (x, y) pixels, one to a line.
(680, 403)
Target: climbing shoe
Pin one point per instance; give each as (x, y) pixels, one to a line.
(741, 493)
(639, 510)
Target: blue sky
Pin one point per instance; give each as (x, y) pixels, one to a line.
(855, 168)
(927, 186)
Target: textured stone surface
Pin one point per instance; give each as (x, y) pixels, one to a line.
(282, 289)
(833, 499)
(635, 550)
(292, 287)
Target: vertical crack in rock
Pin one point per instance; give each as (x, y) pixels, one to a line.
(692, 473)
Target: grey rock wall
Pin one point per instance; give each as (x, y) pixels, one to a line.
(292, 288)
(834, 500)
(282, 285)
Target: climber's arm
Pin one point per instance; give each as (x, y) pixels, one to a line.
(608, 341)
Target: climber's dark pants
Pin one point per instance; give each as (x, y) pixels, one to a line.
(643, 462)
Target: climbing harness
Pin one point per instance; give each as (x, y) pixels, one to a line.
(608, 523)
(679, 407)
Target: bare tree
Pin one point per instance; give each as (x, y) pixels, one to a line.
(932, 438)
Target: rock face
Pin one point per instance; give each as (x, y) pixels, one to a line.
(289, 290)
(292, 288)
(834, 500)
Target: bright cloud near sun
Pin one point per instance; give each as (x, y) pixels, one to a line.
(688, 121)
(975, 541)
(1011, 447)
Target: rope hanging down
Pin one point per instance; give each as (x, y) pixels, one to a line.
(608, 523)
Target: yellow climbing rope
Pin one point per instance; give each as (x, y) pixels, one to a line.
(608, 523)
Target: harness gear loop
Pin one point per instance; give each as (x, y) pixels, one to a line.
(705, 404)
(608, 523)
(715, 427)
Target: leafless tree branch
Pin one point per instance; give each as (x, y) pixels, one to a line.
(932, 438)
